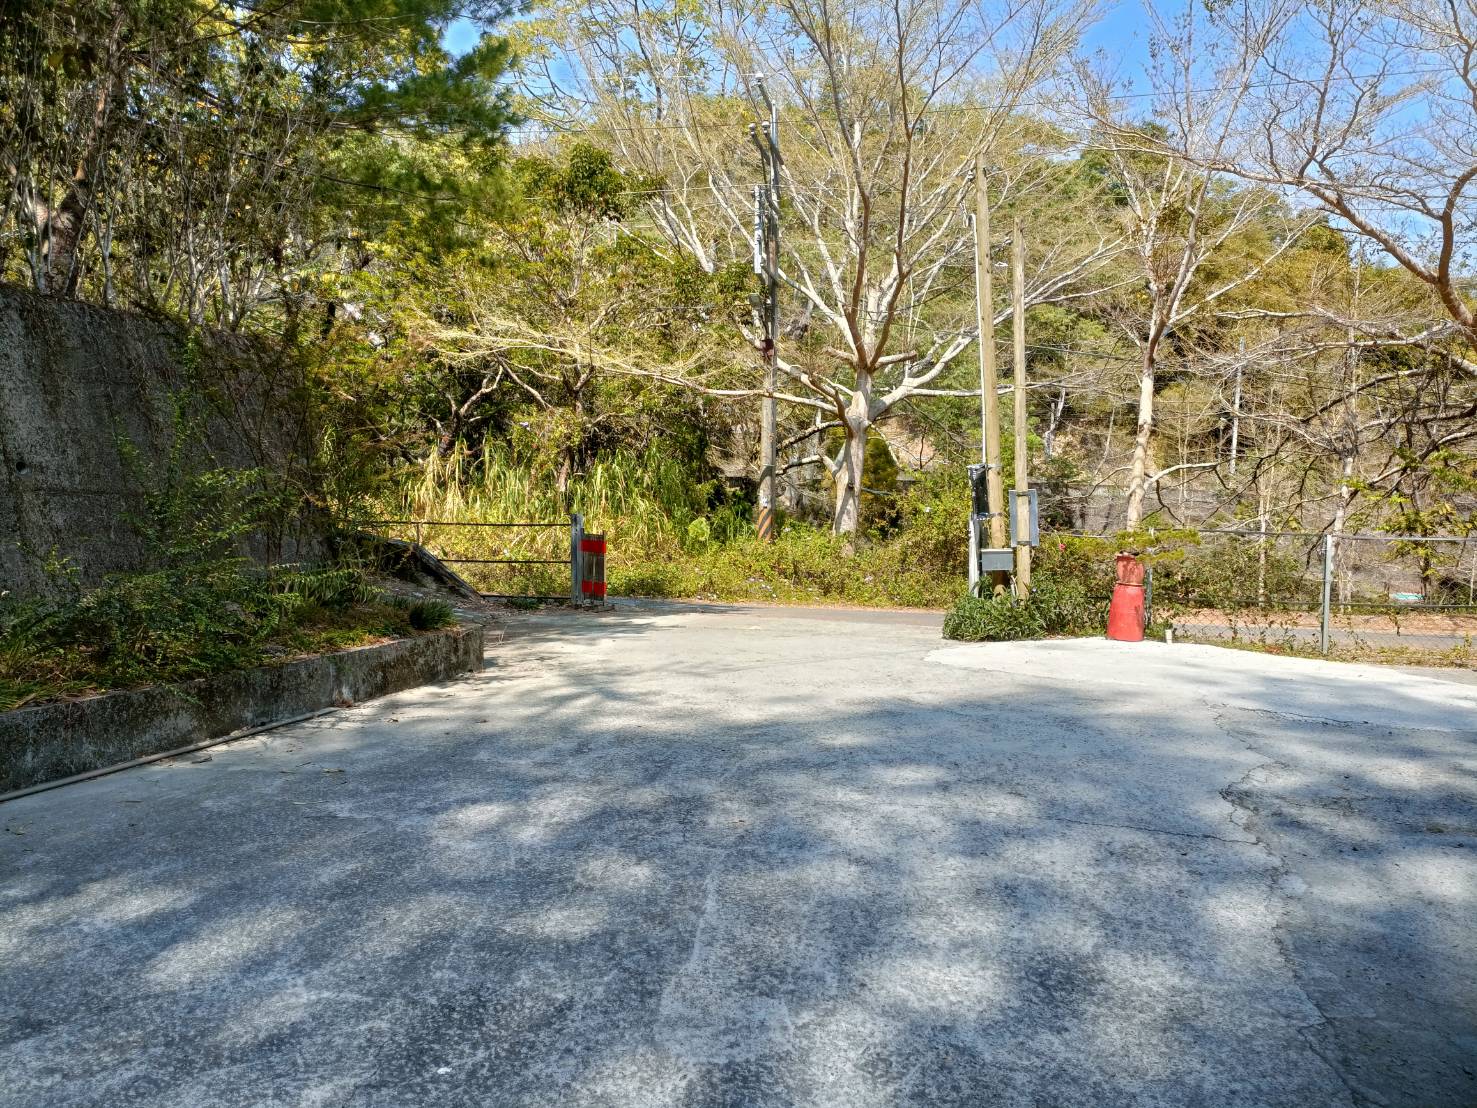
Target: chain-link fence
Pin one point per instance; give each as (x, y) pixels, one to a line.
(1351, 595)
(1391, 591)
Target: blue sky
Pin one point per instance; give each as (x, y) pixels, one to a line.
(1120, 33)
(460, 37)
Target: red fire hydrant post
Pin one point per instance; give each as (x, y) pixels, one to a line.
(1126, 613)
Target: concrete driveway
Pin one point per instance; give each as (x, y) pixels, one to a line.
(703, 856)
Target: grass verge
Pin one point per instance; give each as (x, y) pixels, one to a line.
(177, 625)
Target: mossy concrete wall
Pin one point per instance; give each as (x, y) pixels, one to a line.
(76, 381)
(57, 740)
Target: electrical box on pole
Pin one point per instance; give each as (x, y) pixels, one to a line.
(1025, 519)
(985, 559)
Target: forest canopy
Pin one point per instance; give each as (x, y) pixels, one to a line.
(526, 263)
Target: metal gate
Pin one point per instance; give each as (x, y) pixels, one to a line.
(503, 554)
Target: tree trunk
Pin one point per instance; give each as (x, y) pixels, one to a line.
(1138, 474)
(572, 454)
(561, 477)
(1342, 572)
(64, 236)
(848, 467)
(66, 222)
(848, 473)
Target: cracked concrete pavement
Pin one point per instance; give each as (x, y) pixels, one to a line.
(702, 856)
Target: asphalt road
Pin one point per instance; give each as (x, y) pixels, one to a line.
(729, 857)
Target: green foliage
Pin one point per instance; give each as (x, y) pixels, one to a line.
(933, 517)
(1235, 575)
(992, 619)
(586, 185)
(805, 564)
(1053, 608)
(423, 614)
(1071, 583)
(201, 608)
(879, 486)
(193, 621)
(674, 532)
(333, 586)
(284, 135)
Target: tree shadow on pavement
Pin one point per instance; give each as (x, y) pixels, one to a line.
(635, 874)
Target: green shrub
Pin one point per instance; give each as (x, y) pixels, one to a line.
(1081, 562)
(180, 623)
(988, 619)
(1071, 583)
(199, 607)
(1231, 574)
(425, 615)
(933, 520)
(334, 586)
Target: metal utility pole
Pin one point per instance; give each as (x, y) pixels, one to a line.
(989, 380)
(1022, 447)
(766, 265)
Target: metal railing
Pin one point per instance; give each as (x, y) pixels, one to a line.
(534, 544)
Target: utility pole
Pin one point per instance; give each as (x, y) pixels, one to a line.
(1236, 408)
(766, 264)
(1022, 447)
(989, 380)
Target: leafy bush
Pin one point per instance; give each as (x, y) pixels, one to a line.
(1071, 584)
(425, 615)
(1055, 607)
(180, 623)
(1234, 574)
(200, 609)
(933, 520)
(1082, 562)
(988, 619)
(334, 586)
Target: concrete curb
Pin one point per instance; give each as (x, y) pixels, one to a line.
(58, 740)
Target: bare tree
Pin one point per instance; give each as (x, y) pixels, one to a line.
(1371, 111)
(1196, 240)
(884, 105)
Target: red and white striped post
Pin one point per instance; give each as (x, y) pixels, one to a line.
(592, 569)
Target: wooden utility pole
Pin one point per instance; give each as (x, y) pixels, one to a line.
(1022, 446)
(771, 377)
(989, 380)
(767, 264)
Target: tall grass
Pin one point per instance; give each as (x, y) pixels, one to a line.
(669, 533)
(646, 497)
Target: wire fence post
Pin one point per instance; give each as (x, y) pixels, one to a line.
(1328, 552)
(576, 558)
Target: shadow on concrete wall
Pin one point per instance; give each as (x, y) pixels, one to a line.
(75, 381)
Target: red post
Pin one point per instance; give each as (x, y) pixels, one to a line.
(1126, 613)
(592, 579)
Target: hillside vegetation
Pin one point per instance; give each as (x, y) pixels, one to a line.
(519, 279)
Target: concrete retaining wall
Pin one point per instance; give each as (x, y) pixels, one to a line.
(77, 380)
(57, 740)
